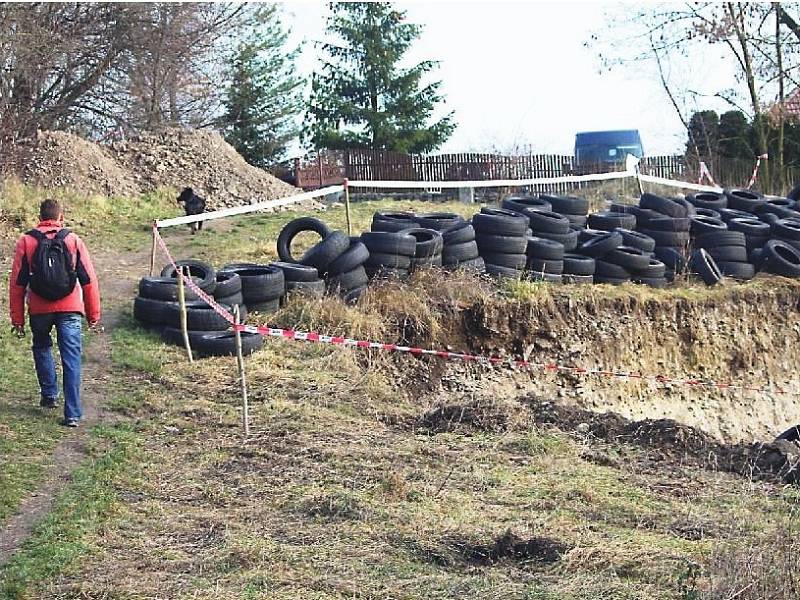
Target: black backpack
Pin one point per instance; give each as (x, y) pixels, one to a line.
(53, 274)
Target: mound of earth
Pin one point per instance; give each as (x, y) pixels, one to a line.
(199, 159)
(64, 160)
(176, 158)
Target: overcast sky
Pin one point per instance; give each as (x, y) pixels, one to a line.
(519, 76)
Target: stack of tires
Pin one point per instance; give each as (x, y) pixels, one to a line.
(728, 249)
(666, 221)
(263, 286)
(428, 249)
(545, 260)
(521, 204)
(346, 274)
(390, 253)
(502, 239)
(438, 221)
(460, 250)
(616, 263)
(393, 221)
(611, 220)
(779, 258)
(301, 279)
(575, 209)
(552, 226)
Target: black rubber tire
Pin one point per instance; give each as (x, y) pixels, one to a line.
(384, 272)
(629, 258)
(636, 239)
(655, 269)
(673, 258)
(785, 209)
(228, 284)
(703, 265)
(577, 264)
(609, 221)
(202, 273)
(265, 308)
(500, 222)
(662, 205)
(426, 263)
(297, 272)
(394, 261)
(353, 296)
(726, 214)
(701, 225)
(295, 227)
(577, 221)
(463, 232)
(667, 238)
(786, 229)
(601, 245)
(610, 280)
(199, 317)
(793, 433)
(475, 265)
(174, 336)
(736, 269)
(349, 281)
(501, 243)
(538, 265)
(259, 282)
(728, 253)
(654, 282)
(644, 215)
(712, 200)
(669, 224)
(223, 343)
(429, 241)
(569, 240)
(750, 227)
(503, 272)
(745, 200)
(622, 207)
(756, 258)
(567, 205)
(321, 255)
(544, 249)
(584, 235)
(163, 288)
(756, 241)
(554, 278)
(691, 210)
(708, 212)
(231, 300)
(521, 203)
(149, 311)
(438, 220)
(572, 279)
(315, 289)
(548, 221)
(456, 253)
(392, 221)
(499, 259)
(769, 218)
(720, 238)
(781, 258)
(381, 242)
(355, 256)
(606, 269)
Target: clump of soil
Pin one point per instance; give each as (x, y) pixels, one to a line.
(512, 547)
(479, 414)
(200, 159)
(64, 160)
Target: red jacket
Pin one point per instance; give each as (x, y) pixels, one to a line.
(84, 299)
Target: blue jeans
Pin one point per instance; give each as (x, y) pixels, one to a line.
(69, 332)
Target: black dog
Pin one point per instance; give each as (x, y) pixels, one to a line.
(194, 205)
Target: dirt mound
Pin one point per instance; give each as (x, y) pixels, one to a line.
(199, 159)
(479, 414)
(62, 159)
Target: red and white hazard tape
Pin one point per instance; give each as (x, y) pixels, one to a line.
(312, 336)
(755, 170)
(705, 173)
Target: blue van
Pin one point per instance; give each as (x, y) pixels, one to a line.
(607, 147)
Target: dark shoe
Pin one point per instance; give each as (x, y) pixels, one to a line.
(46, 402)
(71, 422)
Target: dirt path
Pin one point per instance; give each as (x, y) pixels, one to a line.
(116, 275)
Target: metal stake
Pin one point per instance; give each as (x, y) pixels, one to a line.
(242, 378)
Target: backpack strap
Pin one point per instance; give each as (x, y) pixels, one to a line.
(37, 235)
(62, 234)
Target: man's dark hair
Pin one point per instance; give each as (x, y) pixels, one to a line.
(50, 210)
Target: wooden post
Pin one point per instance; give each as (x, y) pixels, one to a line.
(347, 207)
(242, 378)
(153, 251)
(639, 181)
(184, 324)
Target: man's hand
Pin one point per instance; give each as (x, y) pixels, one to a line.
(18, 330)
(96, 327)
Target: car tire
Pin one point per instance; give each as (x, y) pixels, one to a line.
(295, 227)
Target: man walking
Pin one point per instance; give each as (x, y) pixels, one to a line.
(49, 263)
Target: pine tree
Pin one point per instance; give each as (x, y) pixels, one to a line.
(362, 97)
(264, 99)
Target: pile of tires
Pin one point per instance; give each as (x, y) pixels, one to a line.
(575, 209)
(428, 248)
(545, 261)
(554, 226)
(501, 237)
(728, 249)
(390, 254)
(393, 221)
(460, 250)
(263, 286)
(779, 258)
(301, 279)
(346, 275)
(209, 333)
(617, 263)
(667, 222)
